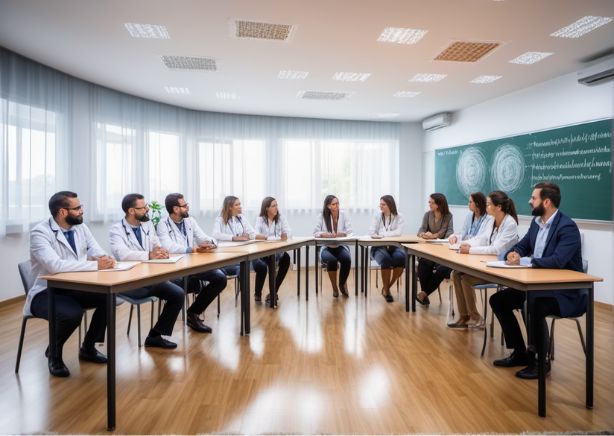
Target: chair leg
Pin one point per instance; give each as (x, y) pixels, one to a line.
(218, 305)
(130, 319)
(138, 317)
(439, 292)
(551, 350)
(451, 302)
(581, 335)
(485, 300)
(19, 348)
(237, 289)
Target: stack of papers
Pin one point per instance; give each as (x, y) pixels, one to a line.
(502, 264)
(122, 266)
(171, 259)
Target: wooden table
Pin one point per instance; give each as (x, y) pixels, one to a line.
(523, 279)
(366, 242)
(111, 283)
(268, 249)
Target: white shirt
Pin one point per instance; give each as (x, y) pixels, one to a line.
(272, 230)
(495, 241)
(343, 225)
(125, 245)
(172, 238)
(237, 225)
(50, 253)
(382, 226)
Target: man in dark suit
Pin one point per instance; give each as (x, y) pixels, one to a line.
(553, 241)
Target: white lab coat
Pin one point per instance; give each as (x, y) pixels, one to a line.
(173, 239)
(50, 253)
(343, 225)
(236, 226)
(493, 241)
(274, 230)
(124, 244)
(392, 226)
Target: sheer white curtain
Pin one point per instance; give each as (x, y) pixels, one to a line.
(59, 132)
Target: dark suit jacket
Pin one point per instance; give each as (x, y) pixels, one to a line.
(563, 251)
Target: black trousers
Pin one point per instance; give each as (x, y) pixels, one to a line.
(504, 303)
(214, 282)
(333, 255)
(69, 307)
(174, 297)
(431, 274)
(261, 266)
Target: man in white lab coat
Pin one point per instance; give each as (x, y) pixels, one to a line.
(180, 233)
(62, 243)
(134, 238)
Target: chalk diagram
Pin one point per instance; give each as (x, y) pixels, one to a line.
(471, 171)
(507, 170)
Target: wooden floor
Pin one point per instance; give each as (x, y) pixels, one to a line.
(326, 366)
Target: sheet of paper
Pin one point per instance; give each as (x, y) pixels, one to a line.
(122, 266)
(502, 264)
(171, 259)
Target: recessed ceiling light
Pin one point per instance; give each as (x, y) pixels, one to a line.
(176, 90)
(324, 95)
(428, 77)
(351, 77)
(292, 74)
(387, 115)
(401, 35)
(530, 57)
(461, 51)
(226, 95)
(581, 27)
(150, 31)
(406, 94)
(189, 63)
(257, 30)
(482, 80)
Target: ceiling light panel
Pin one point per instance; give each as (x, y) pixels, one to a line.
(530, 57)
(148, 31)
(581, 27)
(267, 31)
(466, 51)
(292, 75)
(351, 77)
(406, 94)
(189, 63)
(482, 80)
(324, 95)
(401, 35)
(226, 95)
(177, 90)
(428, 77)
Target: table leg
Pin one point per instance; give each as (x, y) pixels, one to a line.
(245, 309)
(317, 249)
(298, 272)
(414, 282)
(356, 269)
(306, 272)
(590, 345)
(272, 273)
(111, 361)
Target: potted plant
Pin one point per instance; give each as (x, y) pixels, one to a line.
(155, 210)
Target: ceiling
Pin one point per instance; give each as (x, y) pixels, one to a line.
(88, 39)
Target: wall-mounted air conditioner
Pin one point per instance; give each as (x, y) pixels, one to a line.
(437, 121)
(601, 71)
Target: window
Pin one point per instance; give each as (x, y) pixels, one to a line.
(164, 171)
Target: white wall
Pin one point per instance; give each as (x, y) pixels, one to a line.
(558, 102)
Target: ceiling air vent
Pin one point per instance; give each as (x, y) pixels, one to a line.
(267, 31)
(466, 51)
(323, 95)
(189, 63)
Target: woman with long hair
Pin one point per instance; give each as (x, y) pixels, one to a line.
(436, 224)
(271, 225)
(500, 236)
(390, 258)
(334, 223)
(477, 219)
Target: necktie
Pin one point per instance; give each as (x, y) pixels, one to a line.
(70, 237)
(137, 233)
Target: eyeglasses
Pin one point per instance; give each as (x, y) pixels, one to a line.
(183, 206)
(76, 208)
(139, 208)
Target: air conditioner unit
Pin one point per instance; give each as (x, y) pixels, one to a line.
(600, 72)
(437, 121)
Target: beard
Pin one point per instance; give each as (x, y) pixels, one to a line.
(74, 220)
(184, 214)
(143, 218)
(538, 211)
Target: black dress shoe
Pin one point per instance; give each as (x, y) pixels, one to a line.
(197, 324)
(388, 297)
(425, 301)
(57, 368)
(268, 298)
(514, 359)
(258, 298)
(92, 355)
(159, 342)
(530, 372)
(344, 290)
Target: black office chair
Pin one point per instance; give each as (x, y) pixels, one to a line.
(25, 272)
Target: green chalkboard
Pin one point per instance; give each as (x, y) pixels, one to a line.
(578, 158)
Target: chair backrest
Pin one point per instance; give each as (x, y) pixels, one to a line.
(25, 272)
(584, 265)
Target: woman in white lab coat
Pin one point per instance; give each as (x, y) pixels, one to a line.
(390, 258)
(271, 225)
(334, 223)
